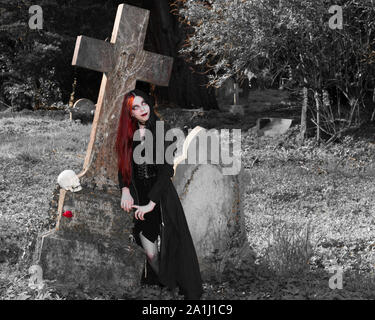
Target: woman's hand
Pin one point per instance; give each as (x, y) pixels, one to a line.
(126, 200)
(142, 210)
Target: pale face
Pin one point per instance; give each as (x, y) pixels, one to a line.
(140, 109)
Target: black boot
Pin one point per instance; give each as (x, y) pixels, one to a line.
(149, 277)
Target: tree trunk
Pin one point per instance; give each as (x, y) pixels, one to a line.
(304, 114)
(373, 100)
(317, 104)
(165, 36)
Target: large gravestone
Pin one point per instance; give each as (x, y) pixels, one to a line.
(92, 248)
(213, 205)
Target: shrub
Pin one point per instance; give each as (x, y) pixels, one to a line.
(289, 249)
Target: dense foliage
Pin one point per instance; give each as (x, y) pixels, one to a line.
(35, 64)
(264, 38)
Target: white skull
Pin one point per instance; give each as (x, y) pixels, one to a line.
(36, 278)
(68, 180)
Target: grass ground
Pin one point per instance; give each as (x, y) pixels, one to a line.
(310, 209)
(307, 208)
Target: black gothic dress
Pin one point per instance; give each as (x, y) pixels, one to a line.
(178, 263)
(144, 179)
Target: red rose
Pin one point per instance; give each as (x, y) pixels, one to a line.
(68, 214)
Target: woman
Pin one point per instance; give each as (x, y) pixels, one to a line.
(158, 211)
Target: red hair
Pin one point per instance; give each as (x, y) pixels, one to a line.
(124, 147)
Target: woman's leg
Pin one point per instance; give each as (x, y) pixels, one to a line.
(151, 249)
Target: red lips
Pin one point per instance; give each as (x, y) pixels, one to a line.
(145, 114)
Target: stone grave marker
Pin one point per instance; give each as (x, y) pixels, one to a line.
(83, 109)
(228, 97)
(213, 206)
(224, 94)
(236, 91)
(91, 247)
(237, 108)
(272, 127)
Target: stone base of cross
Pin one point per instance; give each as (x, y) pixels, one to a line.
(93, 247)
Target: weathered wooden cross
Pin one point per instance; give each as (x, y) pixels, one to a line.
(92, 247)
(236, 90)
(123, 61)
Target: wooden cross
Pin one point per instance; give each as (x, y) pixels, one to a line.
(123, 61)
(237, 92)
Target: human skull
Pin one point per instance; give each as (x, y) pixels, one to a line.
(68, 180)
(36, 278)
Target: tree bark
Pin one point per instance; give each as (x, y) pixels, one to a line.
(303, 115)
(317, 104)
(373, 100)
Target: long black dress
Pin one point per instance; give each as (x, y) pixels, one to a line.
(178, 260)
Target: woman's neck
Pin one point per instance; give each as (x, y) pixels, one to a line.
(141, 125)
